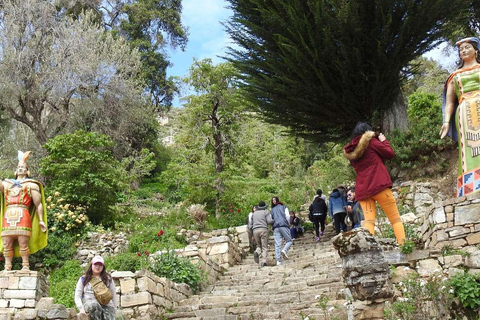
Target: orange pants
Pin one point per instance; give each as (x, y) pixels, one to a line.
(387, 202)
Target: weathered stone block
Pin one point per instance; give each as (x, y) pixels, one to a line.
(13, 282)
(467, 214)
(137, 299)
(30, 303)
(45, 303)
(17, 303)
(428, 267)
(218, 248)
(456, 231)
(57, 311)
(19, 294)
(473, 238)
(473, 261)
(127, 286)
(26, 283)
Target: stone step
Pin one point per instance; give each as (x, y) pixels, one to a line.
(289, 291)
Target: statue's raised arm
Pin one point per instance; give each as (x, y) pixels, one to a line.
(23, 215)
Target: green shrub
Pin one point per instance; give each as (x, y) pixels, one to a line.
(82, 167)
(418, 148)
(127, 261)
(63, 281)
(407, 247)
(60, 248)
(177, 269)
(467, 289)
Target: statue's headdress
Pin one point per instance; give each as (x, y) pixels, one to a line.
(473, 40)
(22, 161)
(22, 157)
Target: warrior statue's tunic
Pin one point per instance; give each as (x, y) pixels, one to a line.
(18, 214)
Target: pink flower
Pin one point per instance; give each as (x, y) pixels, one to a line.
(139, 254)
(147, 253)
(159, 234)
(239, 210)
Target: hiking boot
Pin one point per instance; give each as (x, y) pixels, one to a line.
(256, 256)
(264, 264)
(279, 263)
(284, 255)
(321, 233)
(318, 239)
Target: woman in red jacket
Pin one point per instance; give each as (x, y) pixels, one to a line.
(366, 153)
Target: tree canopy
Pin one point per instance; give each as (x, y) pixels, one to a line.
(318, 67)
(149, 26)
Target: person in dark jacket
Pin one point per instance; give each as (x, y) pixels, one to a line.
(281, 230)
(318, 214)
(337, 209)
(366, 152)
(296, 228)
(354, 209)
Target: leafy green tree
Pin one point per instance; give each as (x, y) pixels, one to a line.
(214, 113)
(56, 70)
(428, 77)
(149, 26)
(318, 67)
(80, 165)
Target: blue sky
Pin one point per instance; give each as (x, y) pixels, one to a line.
(207, 38)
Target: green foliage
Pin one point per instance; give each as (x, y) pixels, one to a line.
(80, 165)
(365, 48)
(127, 261)
(467, 288)
(177, 269)
(61, 248)
(63, 281)
(417, 149)
(407, 247)
(448, 250)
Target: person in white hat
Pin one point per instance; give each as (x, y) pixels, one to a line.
(85, 297)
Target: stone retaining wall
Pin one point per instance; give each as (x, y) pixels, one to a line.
(454, 222)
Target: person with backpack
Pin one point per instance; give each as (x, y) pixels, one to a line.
(95, 292)
(318, 214)
(281, 230)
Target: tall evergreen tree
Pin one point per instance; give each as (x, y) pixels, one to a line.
(319, 66)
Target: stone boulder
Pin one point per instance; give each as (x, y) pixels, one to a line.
(365, 270)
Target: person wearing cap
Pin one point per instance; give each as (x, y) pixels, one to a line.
(258, 223)
(461, 114)
(23, 215)
(85, 299)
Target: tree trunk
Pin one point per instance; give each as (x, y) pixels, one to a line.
(396, 117)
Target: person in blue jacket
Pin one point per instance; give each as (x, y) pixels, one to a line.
(281, 230)
(337, 205)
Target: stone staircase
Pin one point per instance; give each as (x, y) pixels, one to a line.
(309, 284)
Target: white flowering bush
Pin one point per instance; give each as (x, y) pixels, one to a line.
(66, 218)
(422, 298)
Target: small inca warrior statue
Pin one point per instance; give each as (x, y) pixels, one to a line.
(23, 215)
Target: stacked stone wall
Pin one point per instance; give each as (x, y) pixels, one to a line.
(454, 222)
